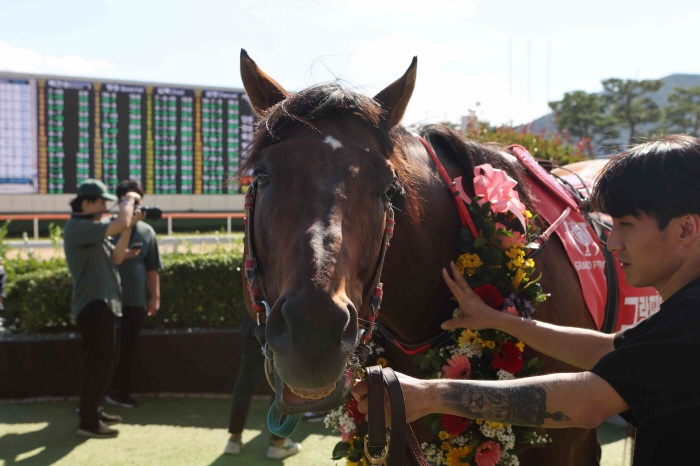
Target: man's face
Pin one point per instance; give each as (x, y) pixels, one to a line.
(649, 256)
(97, 207)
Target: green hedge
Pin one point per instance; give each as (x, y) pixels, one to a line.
(201, 291)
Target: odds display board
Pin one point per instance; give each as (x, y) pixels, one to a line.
(55, 133)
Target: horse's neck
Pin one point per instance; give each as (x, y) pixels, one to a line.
(416, 298)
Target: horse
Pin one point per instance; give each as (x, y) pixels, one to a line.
(329, 164)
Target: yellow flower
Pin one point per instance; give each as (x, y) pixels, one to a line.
(352, 463)
(454, 456)
(529, 214)
(517, 256)
(382, 362)
(521, 346)
(470, 262)
(479, 421)
(529, 263)
(519, 275)
(445, 445)
(490, 344)
(494, 425)
(444, 435)
(364, 461)
(467, 337)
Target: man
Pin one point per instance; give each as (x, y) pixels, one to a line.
(136, 274)
(646, 372)
(250, 375)
(96, 299)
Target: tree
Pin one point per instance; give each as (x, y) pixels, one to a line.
(683, 115)
(629, 102)
(584, 116)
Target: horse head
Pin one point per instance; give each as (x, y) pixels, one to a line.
(326, 165)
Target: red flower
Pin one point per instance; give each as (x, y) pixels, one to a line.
(509, 358)
(454, 425)
(488, 453)
(353, 412)
(490, 295)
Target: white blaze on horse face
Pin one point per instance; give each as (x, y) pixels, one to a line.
(325, 240)
(333, 142)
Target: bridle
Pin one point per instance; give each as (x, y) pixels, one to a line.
(359, 356)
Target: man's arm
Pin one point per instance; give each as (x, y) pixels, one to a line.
(120, 249)
(124, 217)
(557, 400)
(153, 282)
(576, 346)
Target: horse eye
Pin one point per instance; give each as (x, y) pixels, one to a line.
(393, 189)
(262, 178)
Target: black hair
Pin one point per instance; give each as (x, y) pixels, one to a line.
(127, 186)
(76, 204)
(659, 178)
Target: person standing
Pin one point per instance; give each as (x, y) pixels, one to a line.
(250, 375)
(137, 274)
(96, 298)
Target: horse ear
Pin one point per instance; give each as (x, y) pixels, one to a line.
(262, 90)
(394, 98)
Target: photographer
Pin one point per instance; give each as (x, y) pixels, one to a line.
(136, 274)
(96, 298)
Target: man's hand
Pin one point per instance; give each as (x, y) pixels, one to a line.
(415, 393)
(131, 253)
(132, 197)
(477, 314)
(153, 306)
(137, 217)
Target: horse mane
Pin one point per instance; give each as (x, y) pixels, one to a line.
(468, 154)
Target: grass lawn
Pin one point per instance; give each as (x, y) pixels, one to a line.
(173, 431)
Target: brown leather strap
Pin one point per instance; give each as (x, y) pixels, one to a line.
(414, 447)
(397, 445)
(376, 431)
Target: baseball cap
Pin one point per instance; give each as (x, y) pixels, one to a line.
(95, 188)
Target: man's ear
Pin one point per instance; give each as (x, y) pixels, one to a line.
(690, 227)
(394, 98)
(263, 91)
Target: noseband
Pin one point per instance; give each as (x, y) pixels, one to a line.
(260, 305)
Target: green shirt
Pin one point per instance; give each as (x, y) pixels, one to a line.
(133, 271)
(89, 258)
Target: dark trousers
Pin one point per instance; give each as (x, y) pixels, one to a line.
(249, 377)
(132, 320)
(99, 328)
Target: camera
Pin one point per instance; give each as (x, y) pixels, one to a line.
(152, 213)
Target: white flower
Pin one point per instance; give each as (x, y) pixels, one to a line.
(505, 375)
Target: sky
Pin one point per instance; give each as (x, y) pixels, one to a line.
(503, 59)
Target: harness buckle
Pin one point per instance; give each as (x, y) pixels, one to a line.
(378, 459)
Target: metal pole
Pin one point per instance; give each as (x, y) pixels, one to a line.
(36, 228)
(228, 225)
(170, 226)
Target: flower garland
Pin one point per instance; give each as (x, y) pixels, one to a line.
(495, 266)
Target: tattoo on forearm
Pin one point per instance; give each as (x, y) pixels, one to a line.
(523, 405)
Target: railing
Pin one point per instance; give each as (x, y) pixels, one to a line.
(170, 216)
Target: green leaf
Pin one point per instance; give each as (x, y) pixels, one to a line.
(466, 234)
(480, 241)
(341, 450)
(356, 455)
(424, 364)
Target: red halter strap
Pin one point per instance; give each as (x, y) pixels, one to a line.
(251, 265)
(461, 208)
